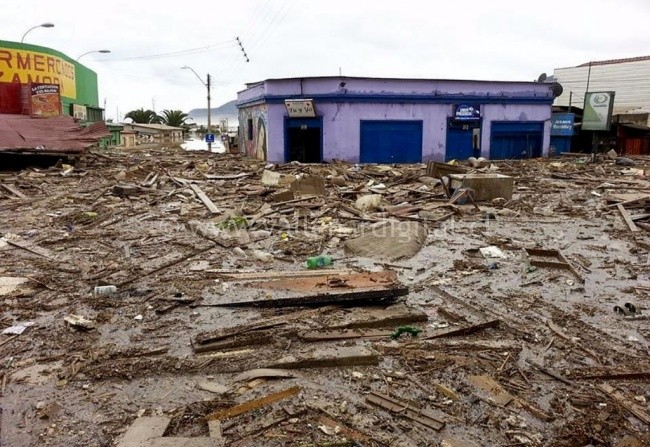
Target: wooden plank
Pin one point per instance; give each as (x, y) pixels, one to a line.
(637, 410)
(343, 334)
(47, 254)
(464, 331)
(144, 429)
(406, 410)
(640, 375)
(12, 189)
(342, 429)
(205, 199)
(627, 218)
(252, 405)
(550, 373)
(263, 276)
(331, 357)
(490, 386)
(265, 373)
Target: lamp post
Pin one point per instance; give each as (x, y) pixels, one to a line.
(42, 25)
(94, 51)
(207, 85)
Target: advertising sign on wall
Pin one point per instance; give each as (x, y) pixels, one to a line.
(465, 112)
(562, 124)
(45, 100)
(300, 108)
(598, 110)
(24, 67)
(79, 112)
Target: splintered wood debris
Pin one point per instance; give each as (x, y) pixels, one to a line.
(215, 332)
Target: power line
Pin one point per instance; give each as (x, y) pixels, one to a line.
(220, 45)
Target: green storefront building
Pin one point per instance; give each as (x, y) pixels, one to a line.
(24, 64)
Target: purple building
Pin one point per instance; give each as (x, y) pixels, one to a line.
(376, 120)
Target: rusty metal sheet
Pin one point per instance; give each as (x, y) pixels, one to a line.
(60, 135)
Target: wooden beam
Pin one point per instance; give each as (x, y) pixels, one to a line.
(205, 199)
(637, 410)
(252, 404)
(627, 218)
(464, 331)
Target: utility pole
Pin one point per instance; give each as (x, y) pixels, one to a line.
(209, 114)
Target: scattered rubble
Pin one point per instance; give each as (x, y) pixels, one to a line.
(164, 298)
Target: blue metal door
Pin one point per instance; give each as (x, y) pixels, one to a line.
(463, 139)
(511, 140)
(391, 142)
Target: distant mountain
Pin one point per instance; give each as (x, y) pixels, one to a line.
(225, 111)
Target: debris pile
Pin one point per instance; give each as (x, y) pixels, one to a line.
(171, 298)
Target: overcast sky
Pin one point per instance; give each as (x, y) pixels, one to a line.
(464, 39)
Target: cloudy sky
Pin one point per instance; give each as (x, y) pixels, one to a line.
(465, 39)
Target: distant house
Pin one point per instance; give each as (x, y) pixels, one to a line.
(154, 133)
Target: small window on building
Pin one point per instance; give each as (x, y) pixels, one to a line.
(250, 129)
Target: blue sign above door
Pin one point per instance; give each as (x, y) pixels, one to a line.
(562, 124)
(466, 112)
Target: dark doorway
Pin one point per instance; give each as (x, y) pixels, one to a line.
(304, 140)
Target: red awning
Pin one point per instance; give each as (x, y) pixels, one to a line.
(60, 135)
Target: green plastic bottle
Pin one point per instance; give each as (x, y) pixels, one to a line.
(318, 262)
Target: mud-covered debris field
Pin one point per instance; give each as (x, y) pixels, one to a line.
(163, 298)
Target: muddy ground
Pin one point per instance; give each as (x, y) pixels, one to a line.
(538, 373)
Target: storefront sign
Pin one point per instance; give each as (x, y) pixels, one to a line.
(466, 112)
(45, 100)
(598, 110)
(300, 108)
(562, 124)
(79, 112)
(25, 67)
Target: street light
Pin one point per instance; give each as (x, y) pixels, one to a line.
(42, 25)
(207, 85)
(93, 51)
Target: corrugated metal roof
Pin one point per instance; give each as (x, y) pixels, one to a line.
(61, 134)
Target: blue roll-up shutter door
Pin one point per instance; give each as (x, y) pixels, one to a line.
(391, 142)
(511, 140)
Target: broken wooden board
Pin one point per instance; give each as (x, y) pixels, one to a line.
(34, 249)
(627, 218)
(464, 331)
(252, 405)
(550, 373)
(491, 389)
(266, 373)
(325, 283)
(148, 432)
(270, 275)
(268, 323)
(342, 334)
(205, 199)
(637, 410)
(330, 357)
(340, 428)
(12, 189)
(238, 341)
(405, 409)
(560, 262)
(612, 375)
(370, 318)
